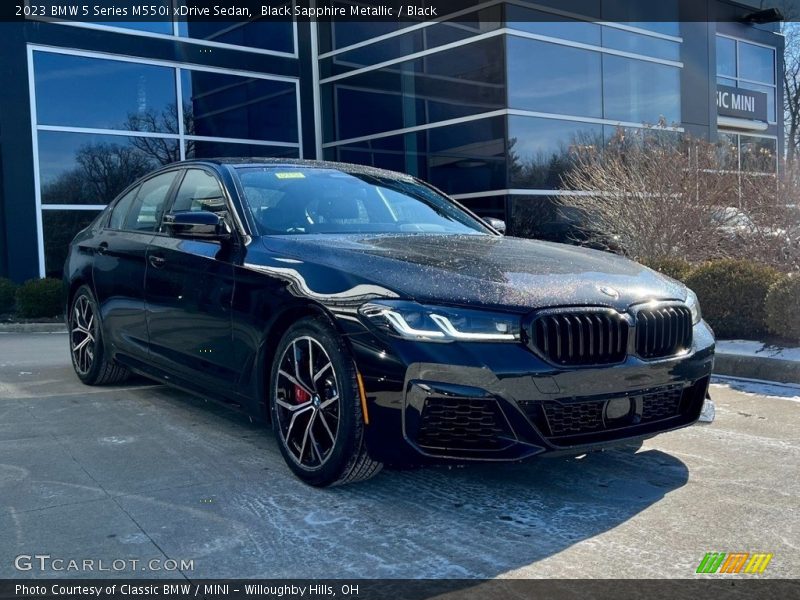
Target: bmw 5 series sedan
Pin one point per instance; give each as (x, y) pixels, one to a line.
(375, 321)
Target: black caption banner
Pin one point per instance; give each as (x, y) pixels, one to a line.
(409, 11)
(396, 589)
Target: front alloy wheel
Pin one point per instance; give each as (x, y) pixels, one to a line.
(316, 407)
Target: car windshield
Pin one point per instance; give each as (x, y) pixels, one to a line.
(309, 200)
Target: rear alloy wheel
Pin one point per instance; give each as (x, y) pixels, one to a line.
(316, 407)
(86, 343)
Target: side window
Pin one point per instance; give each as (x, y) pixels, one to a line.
(120, 210)
(200, 190)
(148, 208)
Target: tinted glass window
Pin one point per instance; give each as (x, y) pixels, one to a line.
(559, 80)
(638, 43)
(104, 94)
(204, 149)
(121, 209)
(639, 91)
(552, 25)
(198, 191)
(148, 208)
(239, 107)
(275, 35)
(726, 57)
(86, 168)
(308, 201)
(756, 63)
(542, 150)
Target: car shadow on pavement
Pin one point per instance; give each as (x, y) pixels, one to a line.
(435, 522)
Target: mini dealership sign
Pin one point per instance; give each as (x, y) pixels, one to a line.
(741, 103)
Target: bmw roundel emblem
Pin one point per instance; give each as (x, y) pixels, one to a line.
(609, 291)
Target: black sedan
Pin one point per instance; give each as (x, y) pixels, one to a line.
(373, 320)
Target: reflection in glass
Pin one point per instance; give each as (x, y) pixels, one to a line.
(77, 91)
(726, 57)
(59, 227)
(82, 168)
(756, 63)
(239, 107)
(534, 21)
(640, 92)
(637, 43)
(277, 35)
(540, 151)
(560, 80)
(399, 46)
(728, 151)
(462, 158)
(449, 84)
(758, 155)
(202, 149)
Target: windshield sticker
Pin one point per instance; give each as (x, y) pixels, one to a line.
(290, 175)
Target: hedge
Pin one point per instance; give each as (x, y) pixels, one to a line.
(8, 291)
(782, 307)
(732, 295)
(40, 298)
(671, 267)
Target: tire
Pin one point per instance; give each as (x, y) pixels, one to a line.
(316, 407)
(86, 342)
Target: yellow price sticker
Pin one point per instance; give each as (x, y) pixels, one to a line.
(290, 175)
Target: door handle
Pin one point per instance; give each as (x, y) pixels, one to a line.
(102, 248)
(157, 260)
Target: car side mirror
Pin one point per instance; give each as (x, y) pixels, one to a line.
(497, 224)
(201, 225)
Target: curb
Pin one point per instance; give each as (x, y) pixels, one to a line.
(33, 328)
(757, 367)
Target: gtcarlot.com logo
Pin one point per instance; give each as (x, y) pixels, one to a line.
(48, 563)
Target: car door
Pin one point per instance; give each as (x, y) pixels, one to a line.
(189, 290)
(118, 270)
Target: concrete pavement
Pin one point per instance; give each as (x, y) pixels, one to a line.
(143, 472)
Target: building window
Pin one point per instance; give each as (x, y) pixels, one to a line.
(128, 116)
(561, 80)
(542, 150)
(750, 66)
(640, 92)
(59, 227)
(748, 153)
(110, 94)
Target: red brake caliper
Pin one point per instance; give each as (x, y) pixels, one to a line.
(300, 395)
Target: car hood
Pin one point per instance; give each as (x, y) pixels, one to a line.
(481, 270)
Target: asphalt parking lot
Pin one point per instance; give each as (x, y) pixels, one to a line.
(145, 472)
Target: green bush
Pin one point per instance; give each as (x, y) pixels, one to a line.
(40, 298)
(8, 290)
(671, 267)
(732, 295)
(783, 307)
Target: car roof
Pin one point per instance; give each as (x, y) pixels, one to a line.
(300, 162)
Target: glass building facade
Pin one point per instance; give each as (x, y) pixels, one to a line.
(488, 106)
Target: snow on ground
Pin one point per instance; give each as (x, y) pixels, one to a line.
(785, 391)
(751, 348)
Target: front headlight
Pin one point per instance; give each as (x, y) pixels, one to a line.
(694, 306)
(413, 321)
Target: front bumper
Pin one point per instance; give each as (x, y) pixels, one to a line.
(500, 402)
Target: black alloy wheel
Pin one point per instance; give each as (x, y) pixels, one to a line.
(316, 407)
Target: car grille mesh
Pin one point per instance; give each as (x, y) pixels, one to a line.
(581, 337)
(663, 331)
(559, 419)
(462, 423)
